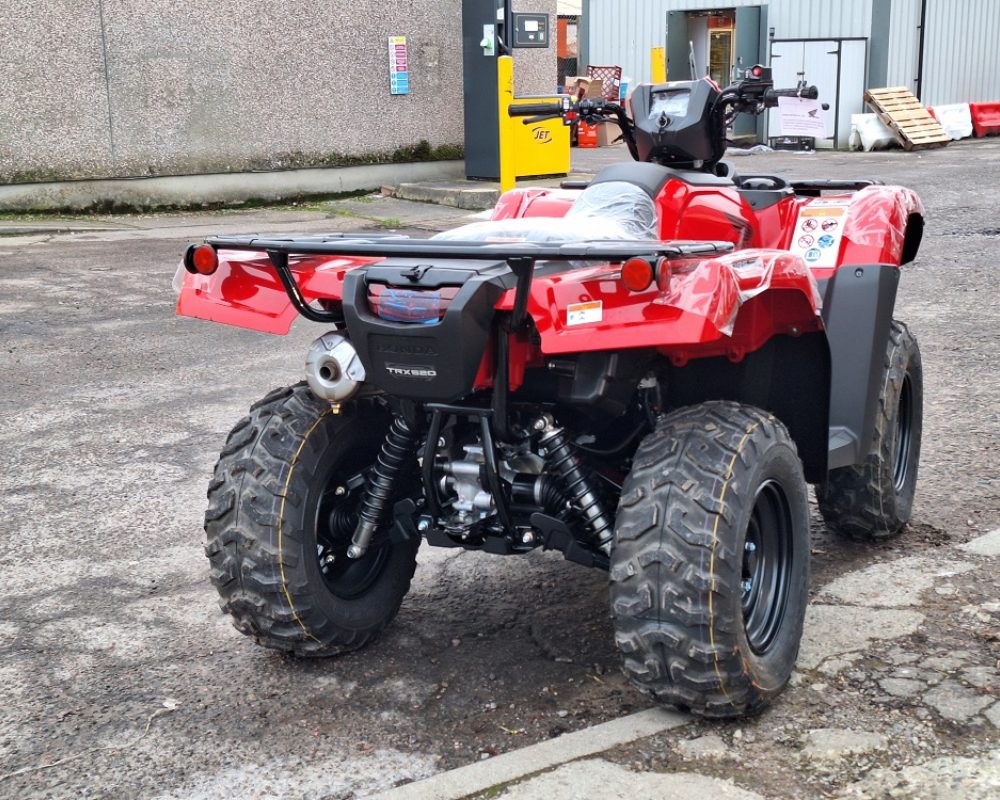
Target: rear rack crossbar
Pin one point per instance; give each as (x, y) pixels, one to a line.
(520, 257)
(404, 247)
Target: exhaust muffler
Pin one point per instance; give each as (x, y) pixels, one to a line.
(333, 369)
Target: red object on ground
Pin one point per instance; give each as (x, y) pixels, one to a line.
(586, 135)
(985, 118)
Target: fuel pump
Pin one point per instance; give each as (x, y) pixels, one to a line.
(490, 30)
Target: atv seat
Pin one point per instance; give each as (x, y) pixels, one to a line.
(651, 177)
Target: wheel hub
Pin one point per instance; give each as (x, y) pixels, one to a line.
(346, 578)
(766, 566)
(902, 441)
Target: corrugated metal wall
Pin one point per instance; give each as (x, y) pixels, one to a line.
(961, 52)
(623, 31)
(961, 48)
(904, 33)
(820, 19)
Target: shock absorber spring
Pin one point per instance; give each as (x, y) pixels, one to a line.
(399, 447)
(561, 458)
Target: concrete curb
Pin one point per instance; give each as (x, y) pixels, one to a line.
(193, 190)
(482, 775)
(471, 198)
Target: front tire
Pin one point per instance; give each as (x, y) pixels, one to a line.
(709, 572)
(281, 510)
(874, 500)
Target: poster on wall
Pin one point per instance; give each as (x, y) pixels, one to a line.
(399, 67)
(801, 117)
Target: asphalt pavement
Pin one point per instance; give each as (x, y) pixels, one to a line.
(120, 677)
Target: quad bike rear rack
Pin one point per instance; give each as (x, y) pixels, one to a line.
(520, 257)
(805, 188)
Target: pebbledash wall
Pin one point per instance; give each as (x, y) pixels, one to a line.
(135, 88)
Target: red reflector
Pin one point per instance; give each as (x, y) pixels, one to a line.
(637, 274)
(757, 72)
(204, 259)
(662, 274)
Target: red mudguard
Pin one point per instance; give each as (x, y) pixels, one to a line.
(696, 310)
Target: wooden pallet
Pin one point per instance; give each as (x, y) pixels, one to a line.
(911, 123)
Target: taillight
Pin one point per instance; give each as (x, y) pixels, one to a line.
(421, 306)
(637, 274)
(201, 259)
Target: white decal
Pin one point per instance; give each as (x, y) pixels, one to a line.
(582, 313)
(819, 230)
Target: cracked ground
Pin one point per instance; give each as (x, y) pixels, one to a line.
(119, 676)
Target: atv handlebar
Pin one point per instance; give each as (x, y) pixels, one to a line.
(806, 92)
(753, 94)
(539, 109)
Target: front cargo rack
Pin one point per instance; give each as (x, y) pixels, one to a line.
(519, 256)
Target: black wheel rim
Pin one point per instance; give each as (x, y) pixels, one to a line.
(767, 566)
(336, 516)
(904, 438)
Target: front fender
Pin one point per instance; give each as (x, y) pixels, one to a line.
(875, 225)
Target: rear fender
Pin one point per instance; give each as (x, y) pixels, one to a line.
(729, 305)
(245, 292)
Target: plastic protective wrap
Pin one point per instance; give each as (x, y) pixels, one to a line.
(715, 288)
(625, 203)
(605, 211)
(878, 219)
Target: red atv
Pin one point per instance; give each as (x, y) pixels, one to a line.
(643, 373)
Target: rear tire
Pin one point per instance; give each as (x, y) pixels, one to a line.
(710, 567)
(279, 520)
(874, 500)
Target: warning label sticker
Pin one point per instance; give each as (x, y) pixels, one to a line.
(818, 231)
(582, 313)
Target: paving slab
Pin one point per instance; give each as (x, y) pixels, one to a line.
(595, 778)
(947, 778)
(988, 545)
(892, 583)
(956, 702)
(832, 744)
(710, 746)
(833, 631)
(512, 766)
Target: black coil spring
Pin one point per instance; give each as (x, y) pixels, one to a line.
(399, 446)
(561, 458)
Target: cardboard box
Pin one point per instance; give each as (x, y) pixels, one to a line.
(607, 132)
(584, 88)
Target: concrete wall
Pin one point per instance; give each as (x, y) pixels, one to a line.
(111, 88)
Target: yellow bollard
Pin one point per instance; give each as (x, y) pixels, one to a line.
(658, 65)
(505, 95)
